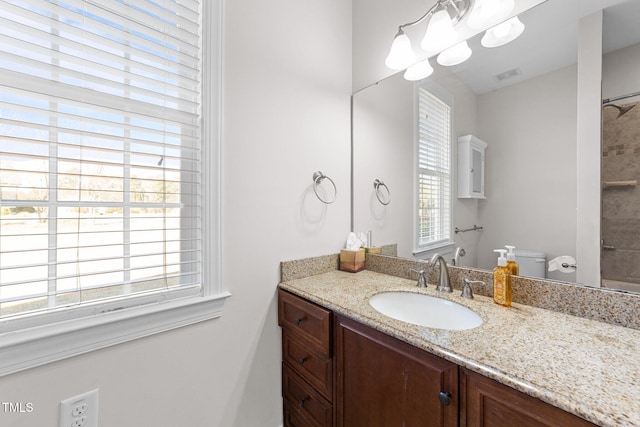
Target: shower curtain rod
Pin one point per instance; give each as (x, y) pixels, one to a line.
(629, 95)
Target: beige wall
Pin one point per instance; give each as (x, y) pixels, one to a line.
(530, 167)
(286, 114)
(620, 70)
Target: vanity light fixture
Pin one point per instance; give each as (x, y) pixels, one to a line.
(455, 55)
(487, 13)
(503, 33)
(401, 54)
(440, 34)
(418, 71)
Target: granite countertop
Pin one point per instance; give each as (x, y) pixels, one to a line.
(588, 368)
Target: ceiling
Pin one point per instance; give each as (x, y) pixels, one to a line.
(549, 42)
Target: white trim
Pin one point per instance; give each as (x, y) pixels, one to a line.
(589, 157)
(440, 249)
(446, 97)
(37, 346)
(30, 347)
(212, 154)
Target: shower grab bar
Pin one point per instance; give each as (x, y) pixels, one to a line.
(475, 228)
(618, 184)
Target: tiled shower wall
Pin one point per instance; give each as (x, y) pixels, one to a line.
(621, 196)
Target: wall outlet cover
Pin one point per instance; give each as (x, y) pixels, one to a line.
(80, 410)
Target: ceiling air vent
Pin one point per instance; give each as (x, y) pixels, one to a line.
(508, 74)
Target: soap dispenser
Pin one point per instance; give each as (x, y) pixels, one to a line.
(511, 260)
(502, 281)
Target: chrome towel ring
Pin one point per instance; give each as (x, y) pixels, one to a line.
(377, 184)
(318, 177)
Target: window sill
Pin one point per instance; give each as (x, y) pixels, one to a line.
(428, 252)
(37, 346)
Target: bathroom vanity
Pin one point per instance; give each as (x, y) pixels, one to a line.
(345, 364)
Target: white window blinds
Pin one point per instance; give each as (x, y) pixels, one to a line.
(434, 170)
(99, 153)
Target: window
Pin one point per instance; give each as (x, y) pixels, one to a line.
(433, 171)
(104, 177)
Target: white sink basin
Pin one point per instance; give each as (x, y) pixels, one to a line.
(424, 310)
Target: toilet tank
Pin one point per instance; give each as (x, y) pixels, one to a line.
(532, 263)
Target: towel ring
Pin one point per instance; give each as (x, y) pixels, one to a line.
(318, 176)
(377, 184)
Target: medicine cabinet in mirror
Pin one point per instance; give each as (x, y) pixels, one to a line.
(471, 167)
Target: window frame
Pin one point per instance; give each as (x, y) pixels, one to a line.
(71, 335)
(424, 251)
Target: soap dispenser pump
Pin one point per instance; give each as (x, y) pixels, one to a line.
(511, 260)
(502, 280)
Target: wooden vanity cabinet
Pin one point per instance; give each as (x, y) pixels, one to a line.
(336, 371)
(487, 403)
(307, 366)
(382, 381)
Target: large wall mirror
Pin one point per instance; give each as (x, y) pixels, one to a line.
(522, 99)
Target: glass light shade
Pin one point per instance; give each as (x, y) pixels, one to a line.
(419, 71)
(401, 54)
(455, 55)
(503, 33)
(440, 32)
(487, 13)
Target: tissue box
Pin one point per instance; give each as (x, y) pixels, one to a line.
(352, 261)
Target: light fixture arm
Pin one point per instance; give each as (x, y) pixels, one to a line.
(421, 19)
(460, 6)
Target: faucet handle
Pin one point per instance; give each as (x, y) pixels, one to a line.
(422, 280)
(467, 292)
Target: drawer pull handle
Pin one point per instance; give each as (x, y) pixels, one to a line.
(304, 400)
(302, 360)
(299, 320)
(445, 398)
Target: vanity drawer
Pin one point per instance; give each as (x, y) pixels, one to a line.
(301, 398)
(305, 320)
(315, 369)
(293, 418)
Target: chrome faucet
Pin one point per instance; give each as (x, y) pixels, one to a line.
(443, 282)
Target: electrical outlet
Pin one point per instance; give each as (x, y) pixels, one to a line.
(80, 410)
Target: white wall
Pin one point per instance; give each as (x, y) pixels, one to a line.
(383, 134)
(286, 114)
(620, 71)
(589, 150)
(530, 167)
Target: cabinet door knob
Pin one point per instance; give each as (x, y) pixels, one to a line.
(299, 320)
(445, 398)
(302, 360)
(304, 400)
